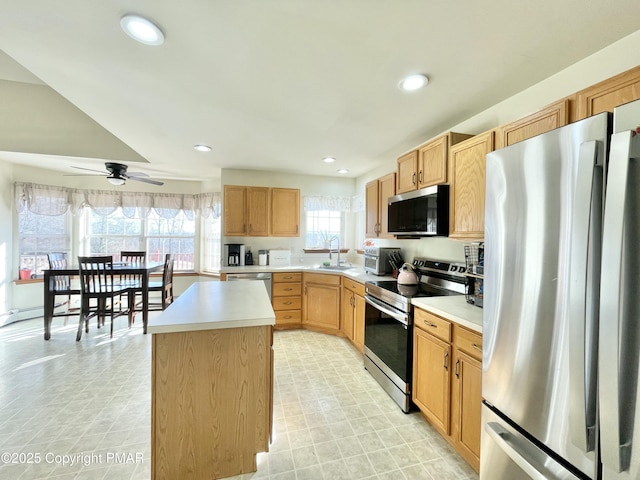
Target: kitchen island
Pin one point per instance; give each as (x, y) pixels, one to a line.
(212, 381)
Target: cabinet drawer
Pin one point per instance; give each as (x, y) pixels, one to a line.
(287, 277)
(288, 316)
(287, 303)
(469, 342)
(286, 289)
(436, 326)
(322, 278)
(355, 287)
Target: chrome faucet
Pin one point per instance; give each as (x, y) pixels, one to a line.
(335, 237)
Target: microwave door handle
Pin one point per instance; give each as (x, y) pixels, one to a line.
(586, 220)
(615, 431)
(401, 317)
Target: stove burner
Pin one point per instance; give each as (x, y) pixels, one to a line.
(413, 291)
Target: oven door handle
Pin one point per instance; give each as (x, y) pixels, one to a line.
(399, 316)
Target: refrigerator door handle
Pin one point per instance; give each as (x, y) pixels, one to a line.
(587, 203)
(502, 438)
(615, 434)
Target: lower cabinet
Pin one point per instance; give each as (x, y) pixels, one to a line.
(447, 381)
(353, 312)
(286, 293)
(321, 302)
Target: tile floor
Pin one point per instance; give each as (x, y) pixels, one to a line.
(82, 411)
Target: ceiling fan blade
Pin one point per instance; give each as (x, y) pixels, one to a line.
(137, 174)
(145, 180)
(85, 174)
(91, 170)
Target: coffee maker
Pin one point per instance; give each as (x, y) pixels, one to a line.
(233, 255)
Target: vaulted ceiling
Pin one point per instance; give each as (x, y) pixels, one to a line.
(274, 84)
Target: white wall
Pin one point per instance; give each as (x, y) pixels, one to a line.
(7, 273)
(308, 185)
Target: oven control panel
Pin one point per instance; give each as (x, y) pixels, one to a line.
(427, 265)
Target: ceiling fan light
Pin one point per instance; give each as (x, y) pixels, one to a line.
(142, 30)
(115, 180)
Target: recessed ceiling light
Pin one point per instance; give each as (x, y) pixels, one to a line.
(202, 148)
(328, 159)
(414, 82)
(142, 30)
(343, 170)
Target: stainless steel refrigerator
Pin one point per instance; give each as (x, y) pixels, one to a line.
(561, 333)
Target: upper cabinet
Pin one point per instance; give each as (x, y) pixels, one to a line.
(467, 167)
(407, 175)
(427, 165)
(377, 193)
(604, 96)
(285, 212)
(554, 116)
(258, 211)
(235, 210)
(261, 211)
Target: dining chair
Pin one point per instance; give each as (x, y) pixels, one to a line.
(60, 286)
(166, 286)
(133, 281)
(97, 283)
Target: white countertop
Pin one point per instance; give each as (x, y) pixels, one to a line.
(356, 273)
(216, 305)
(454, 308)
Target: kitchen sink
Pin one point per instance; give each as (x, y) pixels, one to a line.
(334, 267)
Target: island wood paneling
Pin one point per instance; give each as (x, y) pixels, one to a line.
(211, 402)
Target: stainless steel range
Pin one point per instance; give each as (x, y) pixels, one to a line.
(388, 325)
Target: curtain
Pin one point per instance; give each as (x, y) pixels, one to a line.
(325, 202)
(52, 200)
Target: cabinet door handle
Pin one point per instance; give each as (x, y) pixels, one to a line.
(476, 346)
(429, 324)
(288, 303)
(446, 360)
(420, 176)
(413, 178)
(457, 370)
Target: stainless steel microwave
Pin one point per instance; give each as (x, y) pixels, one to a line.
(423, 212)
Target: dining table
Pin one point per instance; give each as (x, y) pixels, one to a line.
(145, 269)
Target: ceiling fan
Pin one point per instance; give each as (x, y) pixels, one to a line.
(117, 174)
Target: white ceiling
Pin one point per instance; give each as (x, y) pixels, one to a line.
(272, 84)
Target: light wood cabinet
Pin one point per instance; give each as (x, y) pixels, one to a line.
(431, 379)
(221, 383)
(467, 394)
(321, 302)
(427, 165)
(467, 167)
(447, 381)
(235, 208)
(554, 116)
(261, 211)
(377, 193)
(353, 304)
(407, 173)
(285, 212)
(258, 211)
(606, 95)
(286, 293)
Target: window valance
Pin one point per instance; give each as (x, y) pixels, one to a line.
(52, 200)
(325, 202)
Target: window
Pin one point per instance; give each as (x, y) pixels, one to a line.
(321, 227)
(39, 235)
(109, 235)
